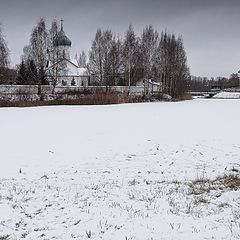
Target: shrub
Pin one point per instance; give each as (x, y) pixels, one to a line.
(185, 96)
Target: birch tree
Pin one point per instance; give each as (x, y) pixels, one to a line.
(82, 60)
(4, 51)
(37, 51)
(171, 65)
(149, 44)
(4, 59)
(39, 45)
(115, 58)
(22, 73)
(52, 55)
(52, 52)
(130, 50)
(107, 41)
(96, 58)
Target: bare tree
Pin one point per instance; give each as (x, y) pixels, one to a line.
(37, 51)
(149, 43)
(53, 72)
(115, 59)
(4, 51)
(171, 65)
(82, 60)
(130, 54)
(96, 58)
(4, 59)
(52, 52)
(27, 53)
(107, 41)
(39, 44)
(105, 58)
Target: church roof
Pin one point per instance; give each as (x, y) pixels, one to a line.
(61, 39)
(72, 68)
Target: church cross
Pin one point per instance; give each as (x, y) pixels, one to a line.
(62, 24)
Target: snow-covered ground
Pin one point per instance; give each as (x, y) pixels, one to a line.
(142, 171)
(227, 95)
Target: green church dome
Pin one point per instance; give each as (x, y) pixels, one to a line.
(61, 39)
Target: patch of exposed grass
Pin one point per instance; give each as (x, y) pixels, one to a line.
(201, 200)
(204, 185)
(91, 99)
(231, 181)
(200, 186)
(185, 96)
(73, 98)
(4, 237)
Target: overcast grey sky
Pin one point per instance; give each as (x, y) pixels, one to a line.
(210, 28)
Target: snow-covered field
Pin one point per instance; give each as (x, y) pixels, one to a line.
(145, 171)
(227, 95)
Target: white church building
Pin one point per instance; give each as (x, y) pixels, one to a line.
(64, 71)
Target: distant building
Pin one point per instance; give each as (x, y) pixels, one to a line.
(64, 71)
(150, 86)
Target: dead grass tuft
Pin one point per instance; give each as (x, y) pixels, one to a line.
(231, 181)
(100, 98)
(4, 237)
(185, 96)
(204, 185)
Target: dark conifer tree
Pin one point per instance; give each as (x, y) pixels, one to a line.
(43, 76)
(21, 74)
(32, 73)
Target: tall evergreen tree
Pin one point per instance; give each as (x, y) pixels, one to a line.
(42, 73)
(31, 73)
(21, 74)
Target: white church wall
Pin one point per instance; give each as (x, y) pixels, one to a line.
(80, 81)
(63, 52)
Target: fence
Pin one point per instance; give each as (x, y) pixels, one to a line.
(48, 89)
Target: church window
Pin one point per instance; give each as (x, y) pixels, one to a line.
(73, 82)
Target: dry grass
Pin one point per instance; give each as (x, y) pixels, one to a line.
(230, 181)
(185, 96)
(90, 99)
(4, 237)
(204, 185)
(200, 186)
(77, 97)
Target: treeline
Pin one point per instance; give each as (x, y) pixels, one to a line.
(112, 59)
(37, 54)
(32, 69)
(124, 61)
(204, 84)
